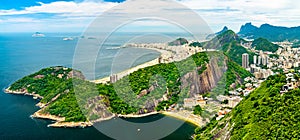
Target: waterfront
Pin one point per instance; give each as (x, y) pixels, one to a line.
(22, 55)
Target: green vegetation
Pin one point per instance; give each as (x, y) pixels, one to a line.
(235, 74)
(196, 44)
(49, 83)
(56, 85)
(115, 103)
(165, 76)
(66, 106)
(274, 56)
(264, 45)
(264, 114)
(197, 110)
(230, 43)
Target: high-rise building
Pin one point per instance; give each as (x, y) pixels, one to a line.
(264, 60)
(245, 60)
(259, 60)
(113, 78)
(254, 59)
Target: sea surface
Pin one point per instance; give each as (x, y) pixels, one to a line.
(21, 55)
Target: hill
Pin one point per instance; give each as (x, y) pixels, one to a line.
(56, 88)
(264, 45)
(264, 114)
(178, 42)
(211, 36)
(270, 32)
(230, 43)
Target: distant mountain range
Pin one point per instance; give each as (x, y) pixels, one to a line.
(270, 32)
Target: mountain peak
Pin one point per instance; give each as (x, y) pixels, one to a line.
(225, 28)
(265, 25)
(248, 27)
(270, 32)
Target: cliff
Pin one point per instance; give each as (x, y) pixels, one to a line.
(207, 80)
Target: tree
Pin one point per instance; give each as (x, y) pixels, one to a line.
(197, 110)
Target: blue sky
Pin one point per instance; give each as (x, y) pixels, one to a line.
(76, 15)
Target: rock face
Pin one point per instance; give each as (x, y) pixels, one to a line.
(195, 83)
(206, 81)
(77, 74)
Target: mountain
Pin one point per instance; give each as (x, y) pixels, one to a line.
(264, 114)
(264, 45)
(230, 43)
(218, 33)
(248, 28)
(270, 32)
(178, 42)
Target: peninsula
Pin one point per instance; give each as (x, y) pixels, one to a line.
(72, 101)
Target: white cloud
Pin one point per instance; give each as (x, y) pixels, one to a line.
(87, 8)
(216, 13)
(237, 12)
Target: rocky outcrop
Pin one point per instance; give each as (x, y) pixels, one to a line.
(77, 74)
(207, 80)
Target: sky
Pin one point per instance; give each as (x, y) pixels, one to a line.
(77, 15)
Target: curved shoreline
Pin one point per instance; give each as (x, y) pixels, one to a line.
(195, 120)
(191, 118)
(59, 120)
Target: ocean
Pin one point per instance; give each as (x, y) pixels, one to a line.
(21, 55)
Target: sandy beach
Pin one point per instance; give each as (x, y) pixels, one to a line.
(127, 72)
(186, 116)
(168, 54)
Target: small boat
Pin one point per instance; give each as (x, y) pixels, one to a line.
(38, 34)
(34, 97)
(68, 39)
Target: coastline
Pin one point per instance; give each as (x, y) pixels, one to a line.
(164, 54)
(128, 71)
(191, 118)
(59, 121)
(36, 96)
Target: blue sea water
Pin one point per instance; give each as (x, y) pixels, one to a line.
(20, 55)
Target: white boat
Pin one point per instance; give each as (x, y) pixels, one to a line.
(68, 39)
(38, 34)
